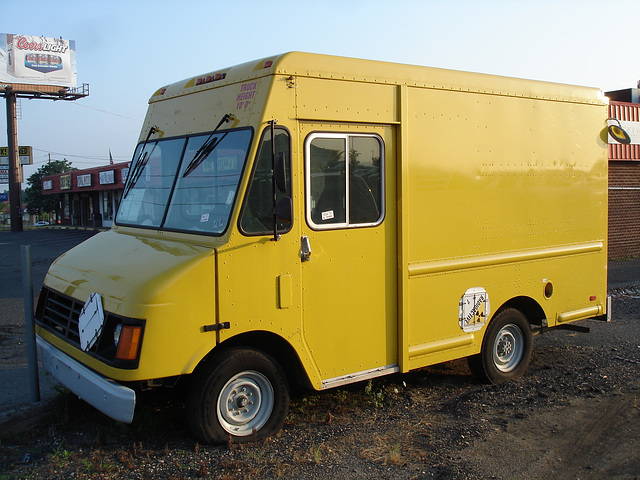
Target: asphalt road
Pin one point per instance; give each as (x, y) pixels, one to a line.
(46, 246)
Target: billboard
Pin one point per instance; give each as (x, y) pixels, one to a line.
(33, 60)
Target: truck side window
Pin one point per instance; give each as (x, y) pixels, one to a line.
(257, 211)
(344, 180)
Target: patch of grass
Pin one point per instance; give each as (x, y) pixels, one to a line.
(60, 456)
(380, 395)
(394, 449)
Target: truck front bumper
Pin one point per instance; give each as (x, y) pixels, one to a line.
(111, 398)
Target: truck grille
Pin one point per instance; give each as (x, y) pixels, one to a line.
(59, 313)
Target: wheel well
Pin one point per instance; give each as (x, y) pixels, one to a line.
(528, 306)
(274, 346)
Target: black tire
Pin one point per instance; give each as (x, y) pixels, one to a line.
(238, 395)
(506, 348)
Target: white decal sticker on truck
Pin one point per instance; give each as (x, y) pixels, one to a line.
(474, 309)
(328, 215)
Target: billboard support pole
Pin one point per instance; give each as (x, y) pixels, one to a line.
(15, 200)
(11, 93)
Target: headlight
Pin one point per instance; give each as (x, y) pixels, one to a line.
(116, 334)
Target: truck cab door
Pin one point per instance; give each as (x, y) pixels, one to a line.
(348, 251)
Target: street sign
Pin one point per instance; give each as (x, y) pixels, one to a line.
(25, 154)
(4, 174)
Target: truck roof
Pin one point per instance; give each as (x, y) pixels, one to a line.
(371, 71)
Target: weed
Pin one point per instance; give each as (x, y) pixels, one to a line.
(203, 470)
(254, 453)
(86, 465)
(377, 395)
(59, 389)
(280, 470)
(395, 455)
(316, 454)
(59, 457)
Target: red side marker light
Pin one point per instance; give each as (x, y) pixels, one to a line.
(592, 298)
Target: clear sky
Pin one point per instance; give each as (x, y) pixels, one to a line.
(125, 50)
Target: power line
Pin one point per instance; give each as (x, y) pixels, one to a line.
(108, 113)
(85, 157)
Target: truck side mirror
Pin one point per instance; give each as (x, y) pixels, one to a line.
(280, 173)
(284, 210)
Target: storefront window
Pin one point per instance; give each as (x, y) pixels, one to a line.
(107, 205)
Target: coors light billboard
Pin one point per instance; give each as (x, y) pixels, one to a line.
(33, 60)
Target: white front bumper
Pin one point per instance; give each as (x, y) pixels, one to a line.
(111, 398)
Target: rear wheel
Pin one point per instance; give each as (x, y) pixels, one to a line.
(506, 348)
(239, 394)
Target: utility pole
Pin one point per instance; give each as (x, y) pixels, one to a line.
(11, 93)
(15, 197)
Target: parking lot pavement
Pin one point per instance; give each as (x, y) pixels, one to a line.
(15, 396)
(47, 244)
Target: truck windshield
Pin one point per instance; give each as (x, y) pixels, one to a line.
(176, 184)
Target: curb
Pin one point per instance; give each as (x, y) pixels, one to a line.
(21, 419)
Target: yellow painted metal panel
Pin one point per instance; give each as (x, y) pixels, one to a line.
(503, 193)
(344, 101)
(349, 285)
(168, 284)
(285, 293)
(402, 213)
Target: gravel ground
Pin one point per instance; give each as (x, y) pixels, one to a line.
(574, 415)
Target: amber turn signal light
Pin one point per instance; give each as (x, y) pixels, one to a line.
(129, 342)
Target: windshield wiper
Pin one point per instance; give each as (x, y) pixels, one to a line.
(207, 147)
(137, 171)
(141, 161)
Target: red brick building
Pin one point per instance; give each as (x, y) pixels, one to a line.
(624, 177)
(90, 197)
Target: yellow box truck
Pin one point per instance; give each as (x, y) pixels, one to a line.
(317, 220)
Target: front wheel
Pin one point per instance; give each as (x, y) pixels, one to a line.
(239, 394)
(506, 348)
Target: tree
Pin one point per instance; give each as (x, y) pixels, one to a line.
(36, 202)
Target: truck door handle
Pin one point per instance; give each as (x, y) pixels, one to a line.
(305, 249)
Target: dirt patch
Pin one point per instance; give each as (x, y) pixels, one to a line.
(590, 438)
(575, 414)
